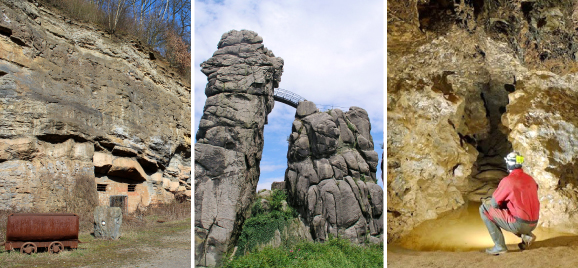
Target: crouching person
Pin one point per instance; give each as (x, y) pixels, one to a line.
(514, 207)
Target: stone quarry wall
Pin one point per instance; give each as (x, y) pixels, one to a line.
(241, 77)
(76, 106)
(330, 178)
(467, 83)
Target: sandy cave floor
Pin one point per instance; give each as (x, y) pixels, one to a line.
(460, 238)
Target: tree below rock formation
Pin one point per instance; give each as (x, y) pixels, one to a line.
(330, 177)
(242, 75)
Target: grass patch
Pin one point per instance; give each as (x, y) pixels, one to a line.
(351, 126)
(336, 252)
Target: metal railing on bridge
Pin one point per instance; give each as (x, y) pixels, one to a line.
(287, 97)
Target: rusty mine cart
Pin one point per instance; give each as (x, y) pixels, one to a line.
(29, 231)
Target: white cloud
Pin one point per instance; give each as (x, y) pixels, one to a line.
(269, 167)
(333, 50)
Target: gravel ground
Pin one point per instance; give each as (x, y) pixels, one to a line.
(168, 257)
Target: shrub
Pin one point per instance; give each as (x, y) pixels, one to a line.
(277, 198)
(177, 52)
(82, 199)
(351, 127)
(80, 10)
(260, 227)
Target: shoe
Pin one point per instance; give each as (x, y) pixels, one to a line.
(496, 250)
(527, 240)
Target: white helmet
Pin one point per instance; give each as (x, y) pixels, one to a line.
(513, 161)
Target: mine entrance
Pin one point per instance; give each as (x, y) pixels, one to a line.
(120, 201)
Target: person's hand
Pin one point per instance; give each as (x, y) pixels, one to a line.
(486, 200)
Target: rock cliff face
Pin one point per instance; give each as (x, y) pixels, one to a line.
(76, 106)
(330, 177)
(241, 77)
(464, 83)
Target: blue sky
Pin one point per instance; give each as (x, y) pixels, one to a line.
(333, 53)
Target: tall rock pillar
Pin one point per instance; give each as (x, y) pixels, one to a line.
(330, 178)
(242, 75)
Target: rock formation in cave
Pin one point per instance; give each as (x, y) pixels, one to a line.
(330, 178)
(469, 81)
(543, 125)
(77, 108)
(241, 77)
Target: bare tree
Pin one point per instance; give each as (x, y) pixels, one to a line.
(114, 10)
(165, 25)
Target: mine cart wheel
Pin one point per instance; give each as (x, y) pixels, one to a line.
(28, 248)
(55, 247)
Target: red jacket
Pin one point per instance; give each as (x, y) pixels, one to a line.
(519, 193)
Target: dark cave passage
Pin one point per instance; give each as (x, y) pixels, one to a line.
(436, 15)
(490, 168)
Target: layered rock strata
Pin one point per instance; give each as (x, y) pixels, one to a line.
(241, 77)
(454, 69)
(330, 178)
(78, 108)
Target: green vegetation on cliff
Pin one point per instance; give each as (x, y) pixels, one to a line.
(260, 246)
(260, 228)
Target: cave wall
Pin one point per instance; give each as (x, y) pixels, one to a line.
(453, 67)
(71, 99)
(543, 127)
(241, 77)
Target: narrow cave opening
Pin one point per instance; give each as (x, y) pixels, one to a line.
(489, 167)
(527, 7)
(478, 7)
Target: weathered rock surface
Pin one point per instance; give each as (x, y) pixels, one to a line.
(278, 185)
(330, 177)
(241, 77)
(454, 71)
(72, 101)
(107, 222)
(430, 115)
(543, 127)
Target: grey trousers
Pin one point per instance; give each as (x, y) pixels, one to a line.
(503, 219)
